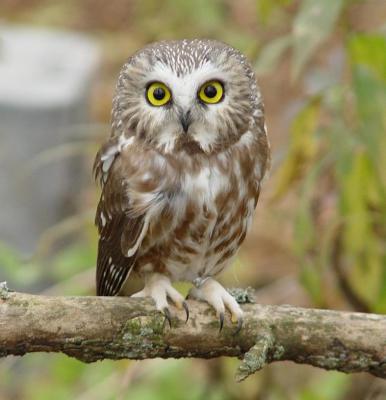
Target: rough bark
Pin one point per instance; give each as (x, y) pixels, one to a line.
(96, 328)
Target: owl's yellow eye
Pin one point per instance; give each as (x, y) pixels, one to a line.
(158, 94)
(211, 92)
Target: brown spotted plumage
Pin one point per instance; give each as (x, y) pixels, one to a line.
(180, 181)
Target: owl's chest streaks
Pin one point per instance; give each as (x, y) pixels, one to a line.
(203, 223)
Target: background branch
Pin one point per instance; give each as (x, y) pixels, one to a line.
(96, 328)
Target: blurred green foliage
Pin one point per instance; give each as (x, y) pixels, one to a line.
(335, 165)
(337, 152)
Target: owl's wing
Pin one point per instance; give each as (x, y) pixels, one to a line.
(120, 230)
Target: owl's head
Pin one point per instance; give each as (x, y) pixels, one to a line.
(196, 95)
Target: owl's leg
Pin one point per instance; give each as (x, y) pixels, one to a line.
(160, 289)
(217, 296)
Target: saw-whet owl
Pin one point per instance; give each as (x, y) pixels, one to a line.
(180, 173)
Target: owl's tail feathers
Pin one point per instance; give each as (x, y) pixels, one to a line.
(120, 238)
(113, 269)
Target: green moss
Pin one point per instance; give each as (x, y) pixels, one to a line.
(77, 341)
(143, 327)
(243, 296)
(141, 336)
(4, 291)
(328, 362)
(256, 357)
(278, 352)
(132, 327)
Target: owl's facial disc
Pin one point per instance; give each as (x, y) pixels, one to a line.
(187, 109)
(182, 93)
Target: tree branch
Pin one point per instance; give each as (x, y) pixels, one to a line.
(96, 328)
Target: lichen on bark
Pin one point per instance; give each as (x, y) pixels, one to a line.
(95, 328)
(257, 356)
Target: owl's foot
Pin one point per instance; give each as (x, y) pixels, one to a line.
(160, 289)
(212, 292)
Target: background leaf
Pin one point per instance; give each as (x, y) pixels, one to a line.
(271, 53)
(312, 25)
(302, 148)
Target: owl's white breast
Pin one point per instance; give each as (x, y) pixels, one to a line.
(200, 212)
(206, 185)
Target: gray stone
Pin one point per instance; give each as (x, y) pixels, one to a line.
(45, 82)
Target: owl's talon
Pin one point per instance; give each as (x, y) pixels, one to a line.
(220, 299)
(168, 317)
(160, 289)
(240, 323)
(186, 308)
(221, 315)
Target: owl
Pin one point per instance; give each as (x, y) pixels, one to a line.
(180, 173)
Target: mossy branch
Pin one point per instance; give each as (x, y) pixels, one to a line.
(97, 328)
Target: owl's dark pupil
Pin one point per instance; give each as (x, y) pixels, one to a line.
(210, 91)
(159, 93)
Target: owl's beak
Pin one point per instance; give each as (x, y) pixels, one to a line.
(185, 120)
